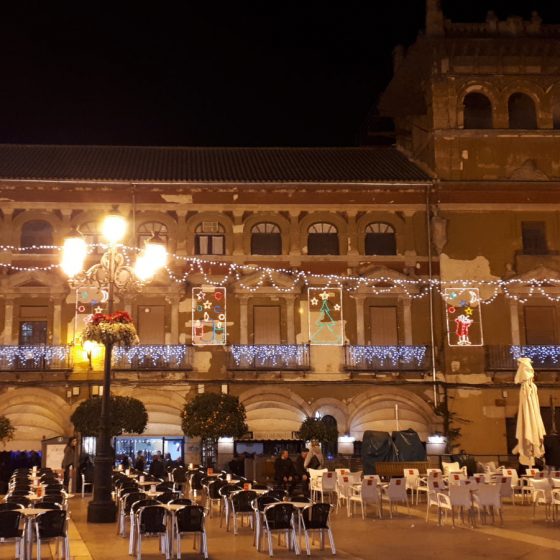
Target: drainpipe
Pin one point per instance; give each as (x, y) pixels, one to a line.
(431, 289)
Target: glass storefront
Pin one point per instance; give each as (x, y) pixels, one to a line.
(150, 445)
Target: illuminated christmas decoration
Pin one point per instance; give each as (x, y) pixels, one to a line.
(325, 316)
(539, 354)
(381, 355)
(151, 356)
(270, 355)
(464, 321)
(209, 316)
(34, 356)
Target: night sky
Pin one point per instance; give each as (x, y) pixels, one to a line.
(249, 74)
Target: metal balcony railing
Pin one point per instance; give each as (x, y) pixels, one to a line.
(504, 358)
(387, 358)
(168, 357)
(271, 357)
(41, 357)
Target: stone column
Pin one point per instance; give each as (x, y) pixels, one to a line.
(514, 319)
(8, 321)
(243, 319)
(174, 321)
(290, 318)
(238, 234)
(360, 323)
(406, 305)
(57, 321)
(352, 234)
(294, 247)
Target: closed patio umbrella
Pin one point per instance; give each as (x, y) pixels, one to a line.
(530, 430)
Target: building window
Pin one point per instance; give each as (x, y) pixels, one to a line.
(266, 239)
(148, 229)
(322, 239)
(380, 239)
(383, 324)
(534, 238)
(266, 324)
(477, 111)
(209, 239)
(92, 236)
(540, 325)
(521, 111)
(37, 233)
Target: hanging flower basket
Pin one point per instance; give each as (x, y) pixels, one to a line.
(115, 328)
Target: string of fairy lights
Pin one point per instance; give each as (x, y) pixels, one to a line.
(252, 277)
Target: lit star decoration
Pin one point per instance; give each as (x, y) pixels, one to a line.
(207, 304)
(336, 307)
(98, 309)
(209, 316)
(314, 301)
(324, 296)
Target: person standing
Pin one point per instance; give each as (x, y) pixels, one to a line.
(68, 460)
(284, 471)
(140, 462)
(314, 459)
(302, 476)
(157, 469)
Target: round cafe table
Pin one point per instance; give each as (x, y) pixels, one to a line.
(30, 515)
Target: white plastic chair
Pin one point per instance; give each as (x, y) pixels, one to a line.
(542, 496)
(368, 493)
(487, 500)
(395, 493)
(84, 484)
(326, 484)
(455, 478)
(459, 497)
(412, 477)
(344, 490)
(435, 487)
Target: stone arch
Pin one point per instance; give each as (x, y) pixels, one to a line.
(163, 218)
(384, 217)
(522, 111)
(329, 217)
(272, 217)
(36, 215)
(200, 217)
(335, 408)
(35, 413)
(164, 408)
(274, 413)
(484, 88)
(375, 410)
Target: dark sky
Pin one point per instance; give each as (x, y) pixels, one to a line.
(249, 74)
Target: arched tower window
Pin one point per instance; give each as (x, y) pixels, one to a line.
(477, 111)
(322, 239)
(522, 112)
(556, 112)
(380, 239)
(266, 239)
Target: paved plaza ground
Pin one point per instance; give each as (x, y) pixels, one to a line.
(406, 536)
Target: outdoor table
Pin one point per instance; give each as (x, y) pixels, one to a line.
(30, 515)
(172, 509)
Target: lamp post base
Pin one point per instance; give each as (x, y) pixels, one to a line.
(102, 512)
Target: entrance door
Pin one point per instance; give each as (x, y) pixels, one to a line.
(266, 324)
(383, 326)
(540, 325)
(151, 324)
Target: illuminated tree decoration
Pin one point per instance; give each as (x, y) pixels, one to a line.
(464, 320)
(209, 316)
(325, 316)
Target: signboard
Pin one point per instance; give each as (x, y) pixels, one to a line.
(209, 316)
(464, 319)
(325, 316)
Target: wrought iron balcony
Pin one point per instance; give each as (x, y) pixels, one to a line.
(40, 357)
(169, 357)
(269, 357)
(387, 358)
(504, 358)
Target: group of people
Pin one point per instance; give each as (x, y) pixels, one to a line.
(288, 474)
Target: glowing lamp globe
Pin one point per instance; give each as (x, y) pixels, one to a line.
(73, 255)
(114, 227)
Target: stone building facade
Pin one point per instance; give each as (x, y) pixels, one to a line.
(468, 203)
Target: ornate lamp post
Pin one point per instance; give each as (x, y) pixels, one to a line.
(112, 274)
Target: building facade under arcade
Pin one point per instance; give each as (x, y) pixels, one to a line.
(278, 232)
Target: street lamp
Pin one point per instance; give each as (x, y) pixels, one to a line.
(111, 273)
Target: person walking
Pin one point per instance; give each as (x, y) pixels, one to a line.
(68, 460)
